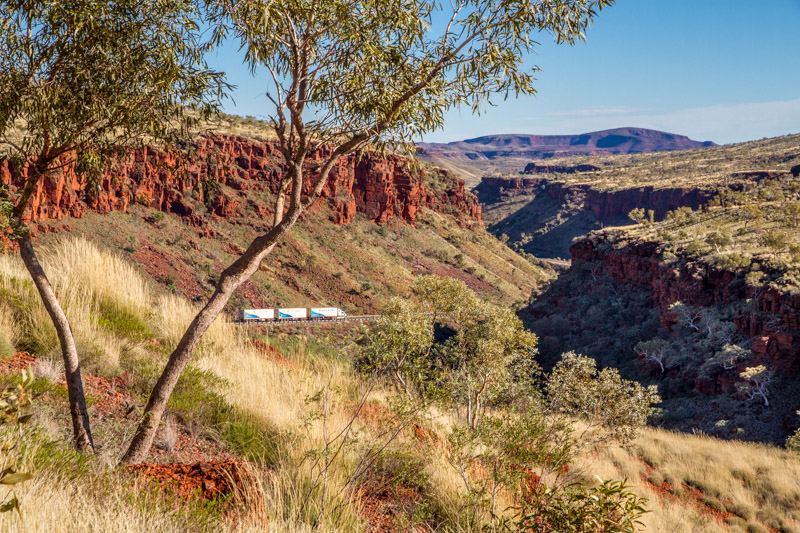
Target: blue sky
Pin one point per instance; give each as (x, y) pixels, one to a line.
(719, 70)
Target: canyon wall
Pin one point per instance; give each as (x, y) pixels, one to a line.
(380, 187)
(606, 205)
(771, 319)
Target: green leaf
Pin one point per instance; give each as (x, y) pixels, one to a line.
(13, 479)
(10, 505)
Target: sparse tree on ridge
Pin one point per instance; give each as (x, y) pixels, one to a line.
(80, 81)
(637, 215)
(719, 240)
(792, 211)
(348, 74)
(775, 240)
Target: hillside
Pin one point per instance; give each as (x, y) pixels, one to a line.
(132, 262)
(183, 229)
(472, 158)
(735, 268)
(244, 402)
(564, 198)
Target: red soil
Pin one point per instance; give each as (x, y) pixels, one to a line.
(164, 268)
(270, 352)
(17, 362)
(383, 502)
(209, 480)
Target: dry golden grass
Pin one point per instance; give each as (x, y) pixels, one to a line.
(756, 481)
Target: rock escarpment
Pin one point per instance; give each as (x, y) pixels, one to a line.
(223, 168)
(606, 205)
(771, 317)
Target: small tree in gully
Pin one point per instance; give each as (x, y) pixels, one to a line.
(79, 81)
(346, 74)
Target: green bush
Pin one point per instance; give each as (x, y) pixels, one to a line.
(401, 468)
(247, 437)
(122, 321)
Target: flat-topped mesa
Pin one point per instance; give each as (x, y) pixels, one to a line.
(381, 187)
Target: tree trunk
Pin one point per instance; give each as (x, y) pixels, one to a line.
(72, 369)
(230, 280)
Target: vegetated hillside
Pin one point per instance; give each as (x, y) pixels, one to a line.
(734, 266)
(473, 158)
(562, 199)
(253, 405)
(378, 225)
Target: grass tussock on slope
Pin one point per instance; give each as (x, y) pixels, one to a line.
(282, 407)
(357, 267)
(699, 483)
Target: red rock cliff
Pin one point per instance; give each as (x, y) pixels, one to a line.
(606, 205)
(772, 319)
(379, 187)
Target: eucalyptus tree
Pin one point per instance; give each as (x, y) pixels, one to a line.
(81, 80)
(347, 74)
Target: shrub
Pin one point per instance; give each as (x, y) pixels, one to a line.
(655, 478)
(775, 240)
(740, 510)
(609, 507)
(14, 405)
(733, 261)
(637, 215)
(735, 521)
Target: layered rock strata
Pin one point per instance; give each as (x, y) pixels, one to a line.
(607, 206)
(223, 168)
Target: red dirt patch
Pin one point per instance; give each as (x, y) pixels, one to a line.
(169, 269)
(110, 393)
(271, 353)
(208, 480)
(253, 294)
(16, 363)
(694, 497)
(382, 504)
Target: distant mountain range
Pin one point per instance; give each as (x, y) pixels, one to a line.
(504, 153)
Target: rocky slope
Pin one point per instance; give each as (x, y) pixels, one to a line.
(619, 295)
(184, 227)
(770, 318)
